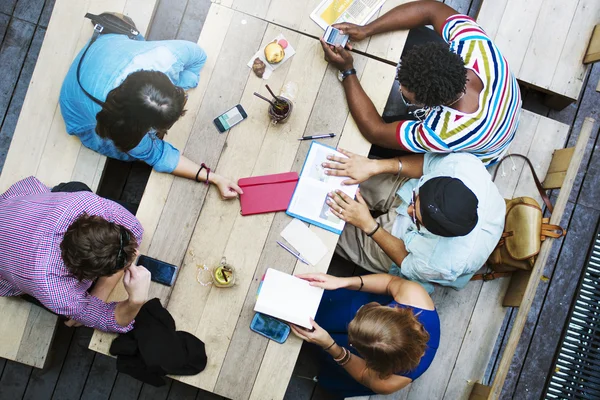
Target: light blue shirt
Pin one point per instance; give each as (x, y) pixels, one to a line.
(450, 261)
(106, 65)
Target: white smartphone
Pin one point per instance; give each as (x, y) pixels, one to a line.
(333, 37)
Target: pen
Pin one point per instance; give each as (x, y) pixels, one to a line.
(297, 255)
(329, 135)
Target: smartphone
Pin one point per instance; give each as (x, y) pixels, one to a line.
(160, 271)
(230, 118)
(270, 327)
(333, 37)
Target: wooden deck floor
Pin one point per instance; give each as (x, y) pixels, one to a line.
(74, 372)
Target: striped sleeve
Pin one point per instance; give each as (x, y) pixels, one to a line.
(461, 27)
(418, 137)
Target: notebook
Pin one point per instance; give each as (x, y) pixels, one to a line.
(288, 298)
(267, 193)
(309, 199)
(306, 242)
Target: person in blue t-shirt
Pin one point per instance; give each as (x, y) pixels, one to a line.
(378, 333)
(142, 86)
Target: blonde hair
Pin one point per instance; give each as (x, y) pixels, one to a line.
(389, 339)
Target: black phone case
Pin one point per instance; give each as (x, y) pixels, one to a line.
(160, 271)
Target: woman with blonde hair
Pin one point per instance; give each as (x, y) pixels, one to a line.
(377, 337)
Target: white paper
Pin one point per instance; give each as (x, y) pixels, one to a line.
(310, 198)
(269, 68)
(305, 241)
(288, 298)
(357, 12)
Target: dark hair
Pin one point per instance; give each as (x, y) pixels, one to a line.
(93, 247)
(433, 73)
(145, 100)
(389, 339)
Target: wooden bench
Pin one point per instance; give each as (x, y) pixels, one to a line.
(544, 41)
(41, 147)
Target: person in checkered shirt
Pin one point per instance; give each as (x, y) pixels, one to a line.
(66, 249)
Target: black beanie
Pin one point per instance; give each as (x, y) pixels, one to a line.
(448, 207)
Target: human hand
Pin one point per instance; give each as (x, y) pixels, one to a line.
(318, 335)
(355, 212)
(337, 56)
(137, 283)
(71, 323)
(355, 32)
(325, 281)
(228, 188)
(357, 168)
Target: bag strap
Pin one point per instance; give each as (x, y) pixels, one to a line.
(538, 184)
(490, 276)
(97, 31)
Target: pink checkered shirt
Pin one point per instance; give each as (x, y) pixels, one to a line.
(33, 222)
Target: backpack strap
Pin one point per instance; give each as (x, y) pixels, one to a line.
(538, 184)
(490, 276)
(97, 31)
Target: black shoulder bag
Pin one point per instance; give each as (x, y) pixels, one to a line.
(107, 23)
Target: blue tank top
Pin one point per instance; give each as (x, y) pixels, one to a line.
(431, 323)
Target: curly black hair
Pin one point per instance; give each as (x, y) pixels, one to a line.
(436, 75)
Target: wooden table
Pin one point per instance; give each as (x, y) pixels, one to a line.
(544, 42)
(187, 226)
(295, 15)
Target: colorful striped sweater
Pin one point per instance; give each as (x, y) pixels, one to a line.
(487, 132)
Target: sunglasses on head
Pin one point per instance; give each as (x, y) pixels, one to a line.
(413, 215)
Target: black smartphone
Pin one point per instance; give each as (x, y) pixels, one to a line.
(270, 327)
(160, 271)
(230, 118)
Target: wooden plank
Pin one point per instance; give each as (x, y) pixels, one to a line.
(75, 367)
(547, 42)
(480, 392)
(12, 54)
(592, 54)
(541, 261)
(125, 388)
(570, 73)
(181, 391)
(171, 13)
(256, 8)
(37, 337)
(29, 10)
(193, 20)
(4, 20)
(461, 6)
(515, 30)
(42, 381)
(155, 393)
(101, 378)
(14, 380)
(46, 13)
(7, 6)
(516, 289)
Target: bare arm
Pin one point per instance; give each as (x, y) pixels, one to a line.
(186, 168)
(105, 285)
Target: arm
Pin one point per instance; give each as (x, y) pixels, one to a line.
(193, 59)
(360, 168)
(372, 283)
(406, 16)
(186, 168)
(105, 285)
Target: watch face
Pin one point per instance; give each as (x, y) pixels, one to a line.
(341, 76)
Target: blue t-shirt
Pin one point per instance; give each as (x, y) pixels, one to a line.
(106, 65)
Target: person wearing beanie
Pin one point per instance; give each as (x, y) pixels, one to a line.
(440, 215)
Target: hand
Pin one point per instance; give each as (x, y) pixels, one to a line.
(228, 188)
(318, 335)
(319, 279)
(355, 212)
(337, 56)
(356, 32)
(357, 168)
(71, 323)
(137, 283)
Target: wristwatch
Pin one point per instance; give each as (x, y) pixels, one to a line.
(344, 74)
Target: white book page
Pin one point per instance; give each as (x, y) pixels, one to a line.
(310, 199)
(288, 298)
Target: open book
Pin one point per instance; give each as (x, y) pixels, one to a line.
(288, 298)
(309, 201)
(358, 12)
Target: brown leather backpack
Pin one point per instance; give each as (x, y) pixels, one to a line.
(524, 231)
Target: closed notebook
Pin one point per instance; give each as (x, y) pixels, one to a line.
(267, 193)
(288, 298)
